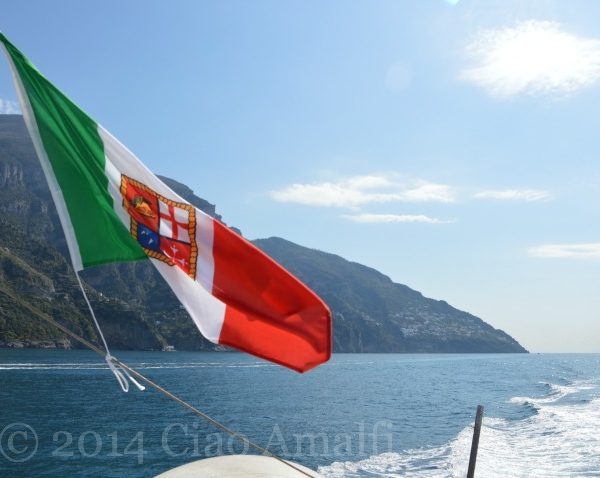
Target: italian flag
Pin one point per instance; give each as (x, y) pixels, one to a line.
(113, 209)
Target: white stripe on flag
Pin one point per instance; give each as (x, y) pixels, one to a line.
(207, 311)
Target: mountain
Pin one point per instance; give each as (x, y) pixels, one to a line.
(138, 311)
(374, 314)
(33, 268)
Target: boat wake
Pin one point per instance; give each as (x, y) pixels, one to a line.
(559, 440)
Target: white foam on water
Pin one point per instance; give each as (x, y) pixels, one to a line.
(141, 366)
(38, 364)
(556, 393)
(561, 440)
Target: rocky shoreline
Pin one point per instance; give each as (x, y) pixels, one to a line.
(63, 344)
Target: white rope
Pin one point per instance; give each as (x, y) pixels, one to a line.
(43, 316)
(119, 372)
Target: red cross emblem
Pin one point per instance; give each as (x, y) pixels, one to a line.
(165, 229)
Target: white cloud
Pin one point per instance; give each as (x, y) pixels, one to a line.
(368, 182)
(388, 218)
(577, 251)
(425, 191)
(514, 194)
(534, 57)
(328, 194)
(360, 190)
(9, 107)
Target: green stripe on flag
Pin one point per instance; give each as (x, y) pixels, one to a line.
(76, 154)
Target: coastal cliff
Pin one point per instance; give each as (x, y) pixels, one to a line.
(138, 311)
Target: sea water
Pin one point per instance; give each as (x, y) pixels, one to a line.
(63, 414)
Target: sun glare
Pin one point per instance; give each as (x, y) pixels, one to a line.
(533, 57)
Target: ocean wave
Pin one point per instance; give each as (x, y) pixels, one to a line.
(555, 393)
(561, 440)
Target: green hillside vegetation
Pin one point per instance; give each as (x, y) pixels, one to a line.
(138, 311)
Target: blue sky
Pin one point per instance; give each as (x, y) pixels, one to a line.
(452, 145)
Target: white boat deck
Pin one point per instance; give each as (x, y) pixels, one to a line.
(237, 466)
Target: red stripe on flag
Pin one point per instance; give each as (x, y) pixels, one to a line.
(270, 313)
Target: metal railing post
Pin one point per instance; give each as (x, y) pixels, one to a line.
(475, 443)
